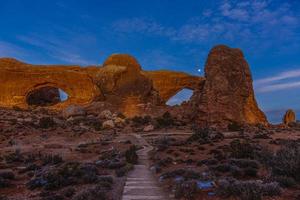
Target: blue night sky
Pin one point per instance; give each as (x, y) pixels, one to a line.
(163, 34)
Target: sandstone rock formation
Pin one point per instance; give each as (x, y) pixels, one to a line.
(289, 117)
(18, 80)
(120, 81)
(223, 96)
(168, 83)
(227, 94)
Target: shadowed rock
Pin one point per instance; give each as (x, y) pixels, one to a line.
(227, 95)
(289, 117)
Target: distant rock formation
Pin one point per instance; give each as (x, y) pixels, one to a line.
(120, 81)
(289, 117)
(227, 94)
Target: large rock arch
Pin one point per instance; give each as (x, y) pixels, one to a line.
(19, 79)
(169, 83)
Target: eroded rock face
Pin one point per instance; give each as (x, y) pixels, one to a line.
(289, 117)
(120, 81)
(18, 80)
(168, 83)
(227, 95)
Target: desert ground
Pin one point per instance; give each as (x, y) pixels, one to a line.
(44, 155)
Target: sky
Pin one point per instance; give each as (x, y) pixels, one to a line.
(163, 34)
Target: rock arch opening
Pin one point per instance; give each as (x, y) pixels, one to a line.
(46, 96)
(183, 95)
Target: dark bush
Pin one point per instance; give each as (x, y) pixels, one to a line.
(46, 122)
(14, 157)
(124, 170)
(222, 168)
(247, 190)
(285, 181)
(234, 126)
(251, 171)
(166, 120)
(7, 175)
(51, 159)
(4, 183)
(65, 175)
(286, 161)
(186, 190)
(204, 135)
(242, 149)
(94, 193)
(139, 121)
(3, 197)
(243, 163)
(131, 156)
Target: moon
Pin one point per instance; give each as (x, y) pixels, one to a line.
(199, 70)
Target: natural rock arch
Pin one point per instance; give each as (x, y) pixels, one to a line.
(169, 83)
(19, 79)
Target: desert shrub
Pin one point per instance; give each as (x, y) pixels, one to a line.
(97, 125)
(186, 174)
(139, 120)
(251, 171)
(94, 193)
(222, 168)
(200, 135)
(124, 170)
(131, 156)
(236, 171)
(46, 122)
(65, 175)
(186, 190)
(2, 197)
(163, 142)
(204, 135)
(68, 192)
(243, 163)
(14, 157)
(247, 190)
(285, 181)
(51, 159)
(4, 183)
(166, 120)
(7, 175)
(242, 149)
(234, 126)
(286, 161)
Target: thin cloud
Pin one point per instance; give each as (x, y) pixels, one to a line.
(11, 50)
(279, 86)
(279, 77)
(141, 25)
(62, 49)
(247, 22)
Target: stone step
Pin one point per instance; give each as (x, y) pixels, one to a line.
(142, 197)
(140, 183)
(142, 191)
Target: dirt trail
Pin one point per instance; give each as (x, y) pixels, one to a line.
(140, 183)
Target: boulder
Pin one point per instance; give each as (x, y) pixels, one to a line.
(148, 128)
(109, 124)
(119, 122)
(289, 117)
(227, 95)
(73, 111)
(105, 114)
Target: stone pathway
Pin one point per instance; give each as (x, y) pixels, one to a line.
(140, 183)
